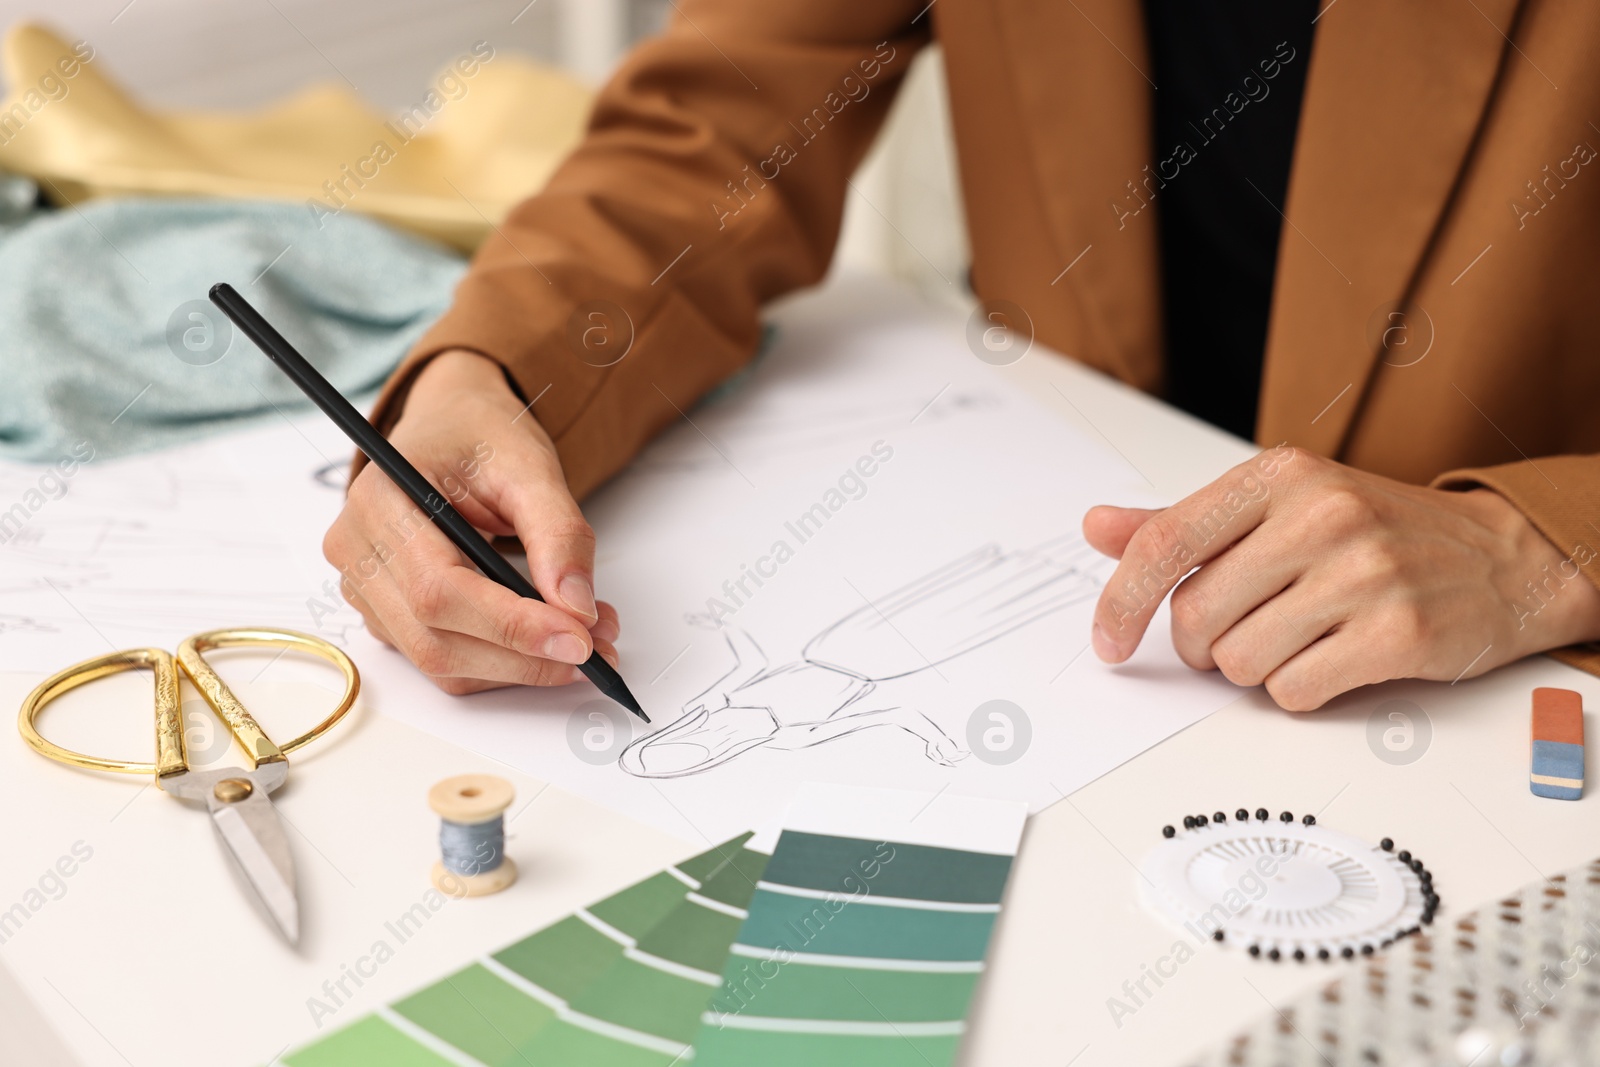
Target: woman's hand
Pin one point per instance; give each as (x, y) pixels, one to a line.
(1315, 578)
(469, 435)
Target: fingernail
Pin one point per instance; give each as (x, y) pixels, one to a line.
(611, 658)
(565, 648)
(578, 595)
(1104, 647)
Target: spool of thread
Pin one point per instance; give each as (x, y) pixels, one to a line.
(472, 843)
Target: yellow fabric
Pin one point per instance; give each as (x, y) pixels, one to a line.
(483, 136)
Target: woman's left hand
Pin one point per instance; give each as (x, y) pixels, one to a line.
(1315, 578)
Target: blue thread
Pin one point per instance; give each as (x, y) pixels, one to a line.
(472, 848)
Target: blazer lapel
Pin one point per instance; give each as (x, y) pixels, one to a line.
(1394, 98)
(1080, 72)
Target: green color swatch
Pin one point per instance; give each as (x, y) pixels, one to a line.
(846, 926)
(662, 985)
(368, 1042)
(819, 991)
(568, 993)
(479, 1014)
(843, 951)
(856, 953)
(749, 1047)
(851, 866)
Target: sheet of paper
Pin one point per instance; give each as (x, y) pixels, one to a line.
(858, 564)
(100, 555)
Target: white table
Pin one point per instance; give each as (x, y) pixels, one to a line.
(1073, 930)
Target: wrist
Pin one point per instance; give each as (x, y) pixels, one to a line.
(459, 368)
(1554, 602)
(462, 387)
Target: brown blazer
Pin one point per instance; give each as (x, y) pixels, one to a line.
(1446, 170)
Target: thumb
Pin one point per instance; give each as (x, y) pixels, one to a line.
(1108, 528)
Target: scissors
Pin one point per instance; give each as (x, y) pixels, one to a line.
(238, 800)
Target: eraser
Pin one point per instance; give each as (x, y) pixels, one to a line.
(1557, 744)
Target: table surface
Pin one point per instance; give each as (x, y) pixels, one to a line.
(1073, 930)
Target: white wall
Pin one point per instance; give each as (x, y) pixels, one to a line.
(904, 216)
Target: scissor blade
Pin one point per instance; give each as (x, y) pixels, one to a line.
(254, 835)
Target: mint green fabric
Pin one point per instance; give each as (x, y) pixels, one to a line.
(90, 349)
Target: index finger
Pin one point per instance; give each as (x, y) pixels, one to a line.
(1174, 542)
(458, 599)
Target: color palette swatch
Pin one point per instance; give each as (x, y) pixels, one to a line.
(867, 932)
(856, 940)
(1557, 770)
(621, 983)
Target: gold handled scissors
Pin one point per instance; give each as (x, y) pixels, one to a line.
(238, 800)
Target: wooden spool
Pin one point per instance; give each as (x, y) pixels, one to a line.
(470, 799)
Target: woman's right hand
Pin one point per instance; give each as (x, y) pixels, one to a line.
(470, 435)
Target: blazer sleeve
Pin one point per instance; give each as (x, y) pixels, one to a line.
(1560, 495)
(712, 178)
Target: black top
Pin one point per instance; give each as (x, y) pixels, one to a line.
(1229, 77)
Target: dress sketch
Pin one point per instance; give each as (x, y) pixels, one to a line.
(843, 681)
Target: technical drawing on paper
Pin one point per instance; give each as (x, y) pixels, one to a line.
(843, 681)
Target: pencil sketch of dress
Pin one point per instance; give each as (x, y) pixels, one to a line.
(843, 681)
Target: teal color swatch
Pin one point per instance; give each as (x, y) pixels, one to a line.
(860, 952)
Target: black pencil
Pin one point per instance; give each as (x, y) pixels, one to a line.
(366, 437)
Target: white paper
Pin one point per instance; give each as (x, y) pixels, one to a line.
(938, 820)
(831, 572)
(974, 490)
(97, 555)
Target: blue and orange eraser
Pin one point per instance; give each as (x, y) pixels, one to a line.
(1557, 744)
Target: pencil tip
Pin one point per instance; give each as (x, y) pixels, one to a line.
(626, 699)
(608, 681)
